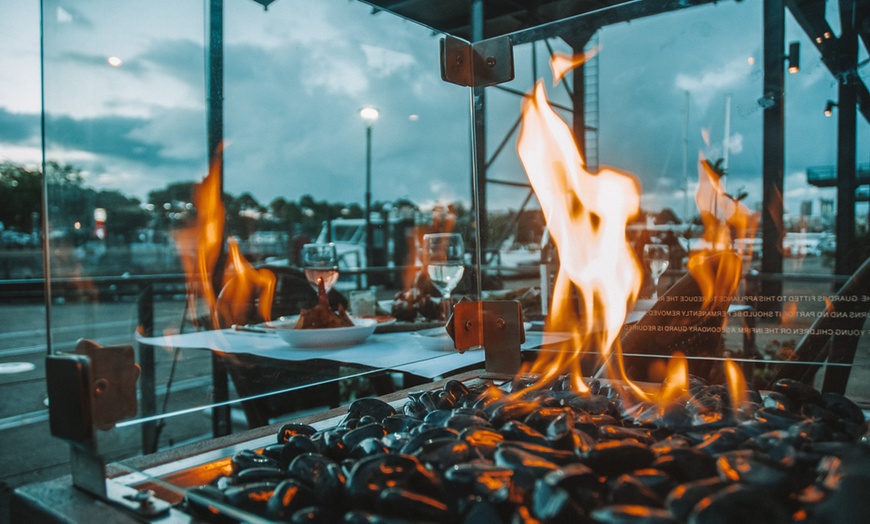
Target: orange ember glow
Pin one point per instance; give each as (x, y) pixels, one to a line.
(586, 214)
(200, 245)
(241, 282)
(561, 63)
(789, 313)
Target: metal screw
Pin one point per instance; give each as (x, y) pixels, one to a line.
(100, 385)
(458, 59)
(142, 497)
(500, 323)
(468, 325)
(490, 61)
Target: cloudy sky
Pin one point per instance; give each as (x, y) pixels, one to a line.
(297, 74)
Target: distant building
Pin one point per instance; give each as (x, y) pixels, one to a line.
(807, 208)
(827, 208)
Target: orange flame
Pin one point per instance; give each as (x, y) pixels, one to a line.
(586, 216)
(241, 281)
(562, 63)
(736, 386)
(718, 266)
(676, 382)
(720, 214)
(200, 248)
(200, 245)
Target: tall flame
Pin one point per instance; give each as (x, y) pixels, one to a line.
(718, 277)
(586, 216)
(200, 244)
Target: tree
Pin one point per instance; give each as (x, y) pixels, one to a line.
(124, 215)
(20, 196)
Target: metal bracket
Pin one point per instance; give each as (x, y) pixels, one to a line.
(92, 390)
(497, 326)
(485, 63)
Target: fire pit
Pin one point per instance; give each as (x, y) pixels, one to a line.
(480, 453)
(611, 425)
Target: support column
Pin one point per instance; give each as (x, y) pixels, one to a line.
(846, 261)
(221, 423)
(578, 89)
(478, 153)
(773, 101)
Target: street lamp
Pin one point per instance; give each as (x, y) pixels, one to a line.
(369, 115)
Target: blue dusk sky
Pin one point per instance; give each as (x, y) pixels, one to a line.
(297, 75)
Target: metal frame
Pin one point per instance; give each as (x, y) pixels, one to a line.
(839, 54)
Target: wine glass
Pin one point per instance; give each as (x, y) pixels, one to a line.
(657, 258)
(320, 264)
(444, 257)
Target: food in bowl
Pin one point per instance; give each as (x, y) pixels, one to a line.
(322, 316)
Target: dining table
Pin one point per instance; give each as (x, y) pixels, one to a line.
(418, 356)
(425, 355)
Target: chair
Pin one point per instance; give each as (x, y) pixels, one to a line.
(846, 317)
(292, 294)
(674, 323)
(259, 377)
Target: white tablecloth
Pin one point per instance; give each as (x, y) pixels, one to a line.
(395, 351)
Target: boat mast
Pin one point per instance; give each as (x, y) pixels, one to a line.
(686, 217)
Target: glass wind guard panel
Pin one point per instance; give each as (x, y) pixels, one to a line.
(129, 109)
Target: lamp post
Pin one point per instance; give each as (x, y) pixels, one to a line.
(369, 115)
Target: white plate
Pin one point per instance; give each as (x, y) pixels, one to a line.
(434, 338)
(324, 338)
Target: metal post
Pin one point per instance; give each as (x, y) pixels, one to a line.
(221, 424)
(774, 147)
(147, 380)
(846, 260)
(478, 152)
(578, 42)
(370, 254)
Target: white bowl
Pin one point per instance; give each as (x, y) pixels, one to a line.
(434, 338)
(324, 338)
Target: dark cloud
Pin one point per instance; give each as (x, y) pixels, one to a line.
(18, 128)
(108, 135)
(181, 59)
(295, 78)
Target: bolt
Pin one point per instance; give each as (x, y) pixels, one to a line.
(490, 61)
(100, 385)
(142, 497)
(500, 323)
(468, 325)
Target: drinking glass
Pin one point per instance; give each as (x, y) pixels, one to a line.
(656, 258)
(320, 264)
(444, 258)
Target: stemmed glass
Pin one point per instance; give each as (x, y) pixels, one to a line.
(657, 258)
(320, 264)
(444, 258)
